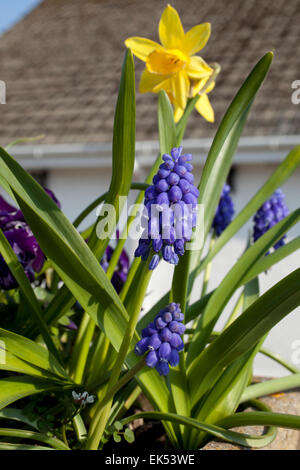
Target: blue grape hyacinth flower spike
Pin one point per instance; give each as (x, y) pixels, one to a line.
(161, 339)
(170, 211)
(225, 211)
(268, 215)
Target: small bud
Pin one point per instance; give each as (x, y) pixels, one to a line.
(154, 262)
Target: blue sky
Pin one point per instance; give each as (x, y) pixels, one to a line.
(11, 11)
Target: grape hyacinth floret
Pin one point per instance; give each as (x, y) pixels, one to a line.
(269, 214)
(224, 212)
(162, 339)
(170, 210)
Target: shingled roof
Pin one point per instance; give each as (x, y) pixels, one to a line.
(62, 64)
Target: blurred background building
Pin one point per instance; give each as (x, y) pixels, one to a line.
(62, 62)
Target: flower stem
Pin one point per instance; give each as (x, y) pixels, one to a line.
(207, 271)
(103, 409)
(82, 347)
(102, 412)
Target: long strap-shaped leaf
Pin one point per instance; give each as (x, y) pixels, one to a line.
(123, 150)
(280, 175)
(34, 308)
(15, 388)
(244, 333)
(261, 418)
(223, 399)
(77, 266)
(216, 431)
(220, 156)
(271, 386)
(34, 436)
(229, 284)
(64, 246)
(25, 356)
(262, 265)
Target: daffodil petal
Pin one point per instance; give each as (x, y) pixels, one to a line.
(171, 33)
(149, 81)
(178, 113)
(196, 38)
(204, 108)
(141, 47)
(200, 84)
(180, 88)
(198, 68)
(165, 85)
(210, 87)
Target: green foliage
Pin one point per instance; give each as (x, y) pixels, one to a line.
(201, 396)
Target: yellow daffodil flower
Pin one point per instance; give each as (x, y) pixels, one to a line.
(172, 65)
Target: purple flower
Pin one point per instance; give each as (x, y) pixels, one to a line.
(161, 339)
(224, 212)
(268, 215)
(22, 241)
(170, 210)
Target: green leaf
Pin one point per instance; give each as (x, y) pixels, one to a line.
(33, 305)
(118, 425)
(15, 388)
(266, 262)
(123, 149)
(224, 145)
(261, 418)
(262, 265)
(271, 386)
(129, 435)
(230, 283)
(68, 252)
(16, 414)
(77, 267)
(166, 124)
(223, 148)
(216, 431)
(9, 446)
(116, 437)
(24, 356)
(244, 333)
(280, 360)
(223, 399)
(123, 165)
(35, 436)
(280, 175)
(167, 136)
